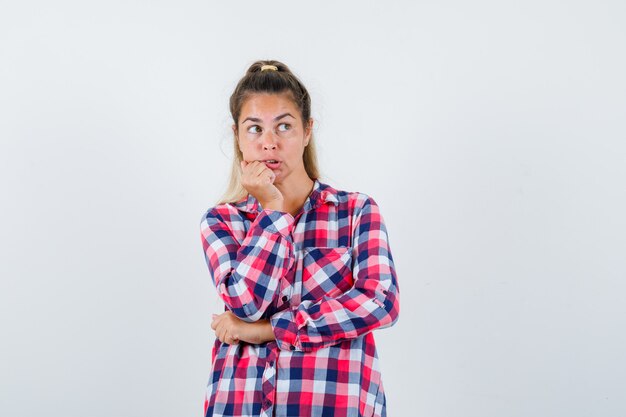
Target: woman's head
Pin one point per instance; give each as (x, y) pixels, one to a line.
(269, 85)
(269, 81)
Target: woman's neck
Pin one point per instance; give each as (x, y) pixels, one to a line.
(295, 193)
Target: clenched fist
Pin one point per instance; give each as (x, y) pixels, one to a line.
(230, 329)
(258, 180)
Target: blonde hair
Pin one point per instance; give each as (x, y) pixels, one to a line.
(272, 82)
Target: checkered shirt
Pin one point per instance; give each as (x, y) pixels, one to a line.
(325, 279)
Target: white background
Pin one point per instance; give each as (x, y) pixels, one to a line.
(490, 133)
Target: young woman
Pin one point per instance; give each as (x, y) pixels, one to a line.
(305, 270)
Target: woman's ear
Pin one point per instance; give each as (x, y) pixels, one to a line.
(308, 131)
(234, 127)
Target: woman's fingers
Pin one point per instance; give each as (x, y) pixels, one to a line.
(225, 337)
(218, 326)
(256, 170)
(221, 333)
(230, 339)
(222, 329)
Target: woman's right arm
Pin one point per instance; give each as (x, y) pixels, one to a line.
(246, 268)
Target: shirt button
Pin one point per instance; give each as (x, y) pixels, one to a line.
(292, 347)
(285, 298)
(267, 404)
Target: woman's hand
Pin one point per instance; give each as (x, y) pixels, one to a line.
(258, 180)
(231, 329)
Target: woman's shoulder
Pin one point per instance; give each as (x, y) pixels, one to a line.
(355, 200)
(225, 211)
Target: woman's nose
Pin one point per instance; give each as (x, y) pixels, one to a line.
(269, 141)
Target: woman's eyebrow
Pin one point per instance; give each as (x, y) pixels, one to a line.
(254, 119)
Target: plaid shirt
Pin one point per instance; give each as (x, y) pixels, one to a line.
(325, 279)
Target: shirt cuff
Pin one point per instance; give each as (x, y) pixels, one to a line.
(285, 330)
(275, 221)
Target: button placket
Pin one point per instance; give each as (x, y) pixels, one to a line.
(296, 289)
(268, 381)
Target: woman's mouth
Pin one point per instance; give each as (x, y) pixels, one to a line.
(272, 163)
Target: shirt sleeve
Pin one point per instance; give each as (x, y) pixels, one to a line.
(247, 273)
(372, 302)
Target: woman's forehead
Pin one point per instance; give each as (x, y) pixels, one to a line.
(263, 105)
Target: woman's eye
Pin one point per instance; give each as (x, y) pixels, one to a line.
(287, 125)
(253, 127)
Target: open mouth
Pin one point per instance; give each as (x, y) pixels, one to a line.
(272, 163)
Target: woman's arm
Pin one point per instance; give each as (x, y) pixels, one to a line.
(247, 274)
(373, 301)
(231, 329)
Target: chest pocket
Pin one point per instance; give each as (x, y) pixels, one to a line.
(326, 272)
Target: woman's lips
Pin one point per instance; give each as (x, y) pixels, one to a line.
(272, 165)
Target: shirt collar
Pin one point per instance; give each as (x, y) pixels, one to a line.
(321, 193)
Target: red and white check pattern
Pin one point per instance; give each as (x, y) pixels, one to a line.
(325, 279)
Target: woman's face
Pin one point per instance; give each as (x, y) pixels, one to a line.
(270, 128)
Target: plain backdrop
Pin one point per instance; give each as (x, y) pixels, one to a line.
(491, 134)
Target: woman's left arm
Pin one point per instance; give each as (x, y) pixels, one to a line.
(372, 302)
(231, 329)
